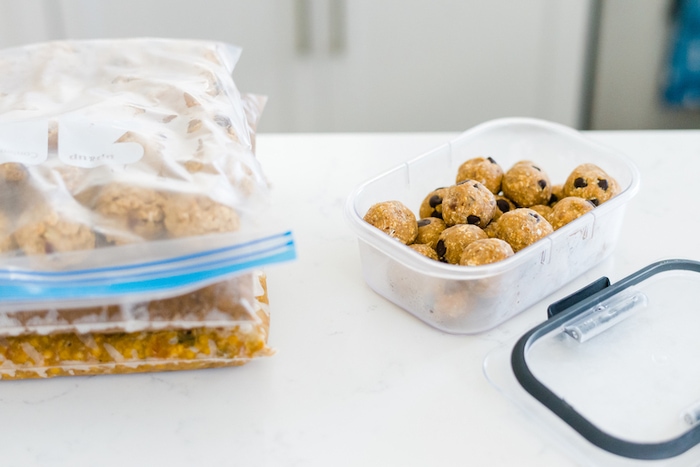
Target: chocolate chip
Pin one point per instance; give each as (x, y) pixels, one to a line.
(594, 201)
(472, 219)
(440, 249)
(435, 200)
(476, 185)
(603, 184)
(535, 215)
(436, 214)
(423, 222)
(542, 184)
(580, 183)
(503, 205)
(490, 159)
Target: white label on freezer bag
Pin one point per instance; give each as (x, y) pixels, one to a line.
(24, 142)
(88, 144)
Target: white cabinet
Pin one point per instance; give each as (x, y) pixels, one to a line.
(370, 65)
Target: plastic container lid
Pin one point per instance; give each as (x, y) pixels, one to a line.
(613, 371)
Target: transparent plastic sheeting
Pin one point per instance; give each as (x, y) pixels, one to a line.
(134, 216)
(142, 280)
(614, 378)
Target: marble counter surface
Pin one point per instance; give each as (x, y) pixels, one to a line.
(356, 381)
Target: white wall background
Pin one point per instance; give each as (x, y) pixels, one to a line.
(635, 37)
(360, 65)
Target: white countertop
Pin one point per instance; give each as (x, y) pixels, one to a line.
(356, 381)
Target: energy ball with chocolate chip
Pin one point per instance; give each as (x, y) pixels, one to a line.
(491, 229)
(425, 250)
(557, 194)
(394, 219)
(542, 209)
(432, 204)
(522, 227)
(483, 170)
(503, 205)
(429, 230)
(468, 202)
(588, 181)
(567, 210)
(486, 251)
(453, 240)
(526, 184)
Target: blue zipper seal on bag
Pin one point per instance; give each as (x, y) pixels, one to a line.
(152, 276)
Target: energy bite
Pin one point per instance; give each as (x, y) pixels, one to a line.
(557, 194)
(455, 239)
(13, 172)
(567, 210)
(135, 209)
(483, 170)
(46, 231)
(491, 229)
(451, 305)
(468, 202)
(394, 219)
(526, 185)
(485, 251)
(522, 227)
(432, 204)
(425, 250)
(429, 230)
(503, 205)
(187, 215)
(590, 182)
(542, 209)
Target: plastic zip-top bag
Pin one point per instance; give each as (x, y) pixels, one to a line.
(133, 218)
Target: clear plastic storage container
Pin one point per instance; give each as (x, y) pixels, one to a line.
(461, 299)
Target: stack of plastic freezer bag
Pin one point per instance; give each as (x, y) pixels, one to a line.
(133, 212)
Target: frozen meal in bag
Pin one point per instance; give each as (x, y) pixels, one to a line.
(132, 211)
